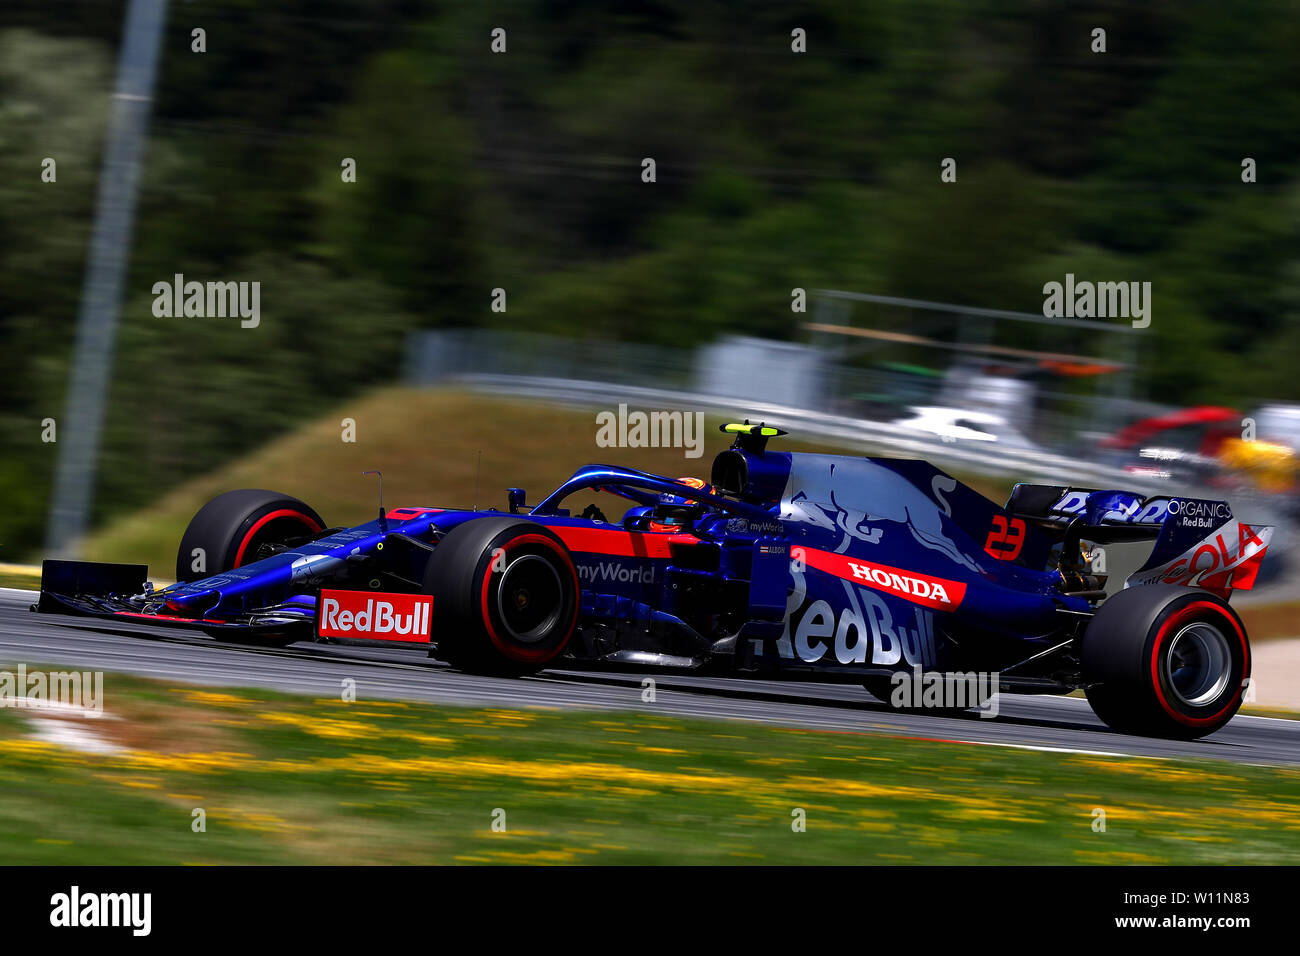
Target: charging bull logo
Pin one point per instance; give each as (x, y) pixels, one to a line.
(825, 491)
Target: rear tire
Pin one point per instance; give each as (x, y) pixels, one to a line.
(1162, 660)
(505, 596)
(227, 533)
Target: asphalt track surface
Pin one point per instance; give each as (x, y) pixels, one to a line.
(1046, 723)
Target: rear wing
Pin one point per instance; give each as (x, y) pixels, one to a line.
(1198, 541)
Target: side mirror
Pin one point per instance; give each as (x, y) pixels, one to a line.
(515, 499)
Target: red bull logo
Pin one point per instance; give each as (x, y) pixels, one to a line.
(375, 616)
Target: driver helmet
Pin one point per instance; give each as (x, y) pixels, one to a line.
(674, 512)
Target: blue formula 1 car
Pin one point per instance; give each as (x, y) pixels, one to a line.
(781, 566)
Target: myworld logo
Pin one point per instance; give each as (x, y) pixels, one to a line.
(614, 572)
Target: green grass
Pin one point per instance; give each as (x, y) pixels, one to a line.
(293, 780)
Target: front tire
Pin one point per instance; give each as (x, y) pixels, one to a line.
(1162, 660)
(505, 596)
(229, 531)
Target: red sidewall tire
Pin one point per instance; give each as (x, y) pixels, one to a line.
(1126, 667)
(466, 574)
(231, 526)
(1226, 704)
(490, 599)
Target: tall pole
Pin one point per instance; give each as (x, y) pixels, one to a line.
(101, 292)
